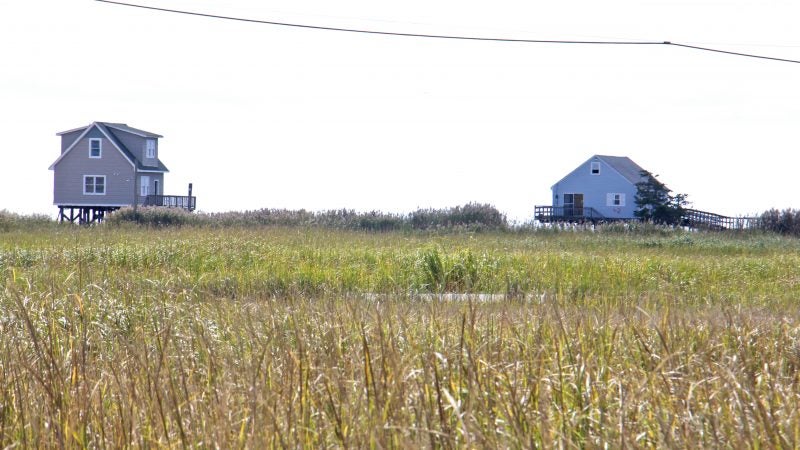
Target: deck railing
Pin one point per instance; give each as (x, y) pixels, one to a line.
(566, 214)
(704, 219)
(171, 201)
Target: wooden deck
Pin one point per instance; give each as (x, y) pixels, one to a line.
(85, 215)
(186, 202)
(547, 214)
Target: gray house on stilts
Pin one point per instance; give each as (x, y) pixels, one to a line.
(105, 166)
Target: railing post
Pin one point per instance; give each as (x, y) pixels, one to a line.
(189, 199)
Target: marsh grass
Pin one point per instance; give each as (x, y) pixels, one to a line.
(471, 216)
(268, 338)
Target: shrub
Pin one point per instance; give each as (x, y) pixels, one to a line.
(12, 221)
(154, 217)
(471, 215)
(784, 222)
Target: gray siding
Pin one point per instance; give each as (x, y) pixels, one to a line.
(136, 145)
(69, 138)
(95, 133)
(69, 172)
(150, 161)
(595, 189)
(151, 185)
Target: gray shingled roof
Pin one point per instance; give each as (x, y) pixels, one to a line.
(125, 127)
(624, 165)
(139, 166)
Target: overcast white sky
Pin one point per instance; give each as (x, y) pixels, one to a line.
(262, 116)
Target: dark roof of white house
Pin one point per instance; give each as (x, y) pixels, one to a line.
(624, 165)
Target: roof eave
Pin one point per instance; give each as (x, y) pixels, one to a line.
(127, 129)
(72, 130)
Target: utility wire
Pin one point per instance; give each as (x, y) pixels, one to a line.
(444, 36)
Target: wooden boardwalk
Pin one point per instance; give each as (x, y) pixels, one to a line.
(692, 218)
(707, 220)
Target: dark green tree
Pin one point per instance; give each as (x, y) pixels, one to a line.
(655, 202)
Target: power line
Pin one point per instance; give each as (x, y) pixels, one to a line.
(727, 52)
(444, 36)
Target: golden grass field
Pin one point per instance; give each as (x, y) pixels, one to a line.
(270, 337)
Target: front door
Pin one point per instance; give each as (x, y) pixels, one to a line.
(579, 205)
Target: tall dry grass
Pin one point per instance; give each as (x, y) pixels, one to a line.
(278, 338)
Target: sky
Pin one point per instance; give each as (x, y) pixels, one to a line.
(262, 116)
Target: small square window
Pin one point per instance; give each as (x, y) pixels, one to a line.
(615, 199)
(95, 148)
(94, 185)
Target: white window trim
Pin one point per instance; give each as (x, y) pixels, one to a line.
(611, 197)
(99, 146)
(150, 152)
(105, 185)
(592, 166)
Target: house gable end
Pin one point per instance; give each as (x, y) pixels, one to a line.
(94, 130)
(623, 166)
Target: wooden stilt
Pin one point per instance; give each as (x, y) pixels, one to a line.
(84, 215)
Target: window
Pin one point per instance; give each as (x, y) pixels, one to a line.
(614, 199)
(151, 148)
(595, 168)
(94, 185)
(573, 205)
(144, 186)
(95, 148)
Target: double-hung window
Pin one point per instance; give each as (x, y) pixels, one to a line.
(95, 148)
(615, 199)
(94, 185)
(595, 168)
(150, 149)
